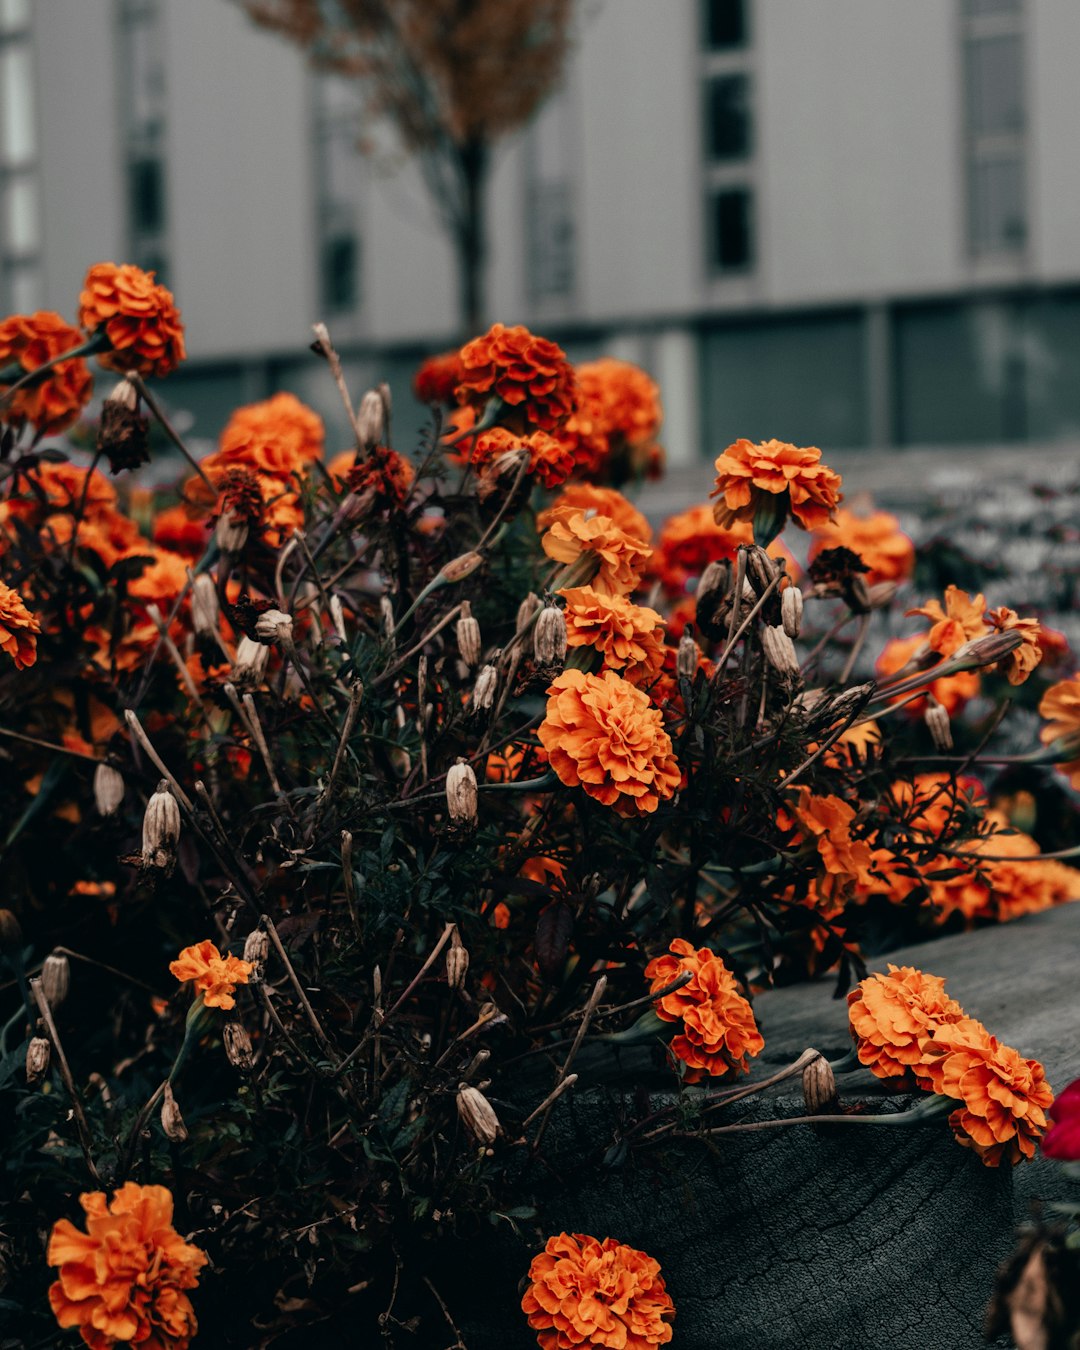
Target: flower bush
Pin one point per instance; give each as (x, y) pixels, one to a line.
(421, 769)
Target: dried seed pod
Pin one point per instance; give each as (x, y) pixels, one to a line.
(122, 431)
(549, 637)
(231, 532)
(37, 1060)
(528, 608)
(478, 1115)
(55, 978)
(791, 611)
(937, 722)
(779, 650)
(172, 1122)
(461, 796)
(370, 419)
(274, 625)
(687, 655)
(485, 688)
(108, 789)
(256, 950)
(237, 1045)
(386, 617)
(468, 636)
(337, 617)
(761, 570)
(252, 658)
(457, 962)
(204, 605)
(461, 567)
(819, 1087)
(715, 581)
(161, 829)
(882, 593)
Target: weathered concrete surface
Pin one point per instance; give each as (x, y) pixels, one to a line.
(813, 1238)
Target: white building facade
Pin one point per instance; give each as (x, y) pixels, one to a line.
(854, 223)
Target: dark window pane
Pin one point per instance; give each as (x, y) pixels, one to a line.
(551, 240)
(730, 226)
(725, 24)
(995, 86)
(146, 181)
(340, 272)
(727, 117)
(997, 205)
(975, 7)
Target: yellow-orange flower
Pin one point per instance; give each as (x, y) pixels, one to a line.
(602, 734)
(892, 1015)
(1005, 1097)
(527, 372)
(877, 538)
(602, 501)
(585, 1292)
(138, 316)
(29, 340)
(776, 476)
(1019, 664)
(618, 414)
(18, 628)
(123, 1281)
(629, 637)
(962, 619)
(829, 820)
(215, 976)
(1060, 705)
(612, 560)
(278, 436)
(718, 1028)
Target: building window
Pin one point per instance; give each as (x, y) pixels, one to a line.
(730, 230)
(727, 138)
(338, 196)
(20, 230)
(725, 24)
(143, 112)
(549, 201)
(995, 123)
(727, 117)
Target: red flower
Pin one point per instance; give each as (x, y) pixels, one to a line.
(1062, 1139)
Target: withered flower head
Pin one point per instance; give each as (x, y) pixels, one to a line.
(161, 829)
(123, 432)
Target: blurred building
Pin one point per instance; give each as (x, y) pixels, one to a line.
(848, 222)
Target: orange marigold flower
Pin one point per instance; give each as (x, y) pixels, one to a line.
(953, 692)
(277, 436)
(774, 478)
(590, 1293)
(1019, 664)
(1060, 705)
(829, 820)
(931, 803)
(602, 734)
(877, 538)
(122, 1282)
(612, 560)
(602, 501)
(961, 620)
(550, 461)
(215, 976)
(691, 540)
(18, 628)
(718, 1028)
(138, 316)
(892, 1015)
(527, 372)
(175, 530)
(618, 415)
(29, 340)
(438, 377)
(1005, 1097)
(629, 637)
(385, 473)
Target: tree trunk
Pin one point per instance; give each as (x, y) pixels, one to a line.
(471, 236)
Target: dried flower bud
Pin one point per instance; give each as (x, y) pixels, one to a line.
(231, 532)
(857, 594)
(122, 431)
(715, 580)
(256, 950)
(549, 636)
(881, 594)
(468, 636)
(686, 656)
(337, 617)
(161, 829)
(457, 962)
(237, 1045)
(370, 420)
(383, 391)
(478, 1115)
(274, 625)
(108, 789)
(252, 658)
(461, 794)
(791, 610)
(55, 978)
(461, 567)
(527, 610)
(487, 682)
(761, 570)
(819, 1087)
(37, 1060)
(172, 1122)
(386, 616)
(204, 604)
(937, 722)
(986, 650)
(779, 650)
(11, 935)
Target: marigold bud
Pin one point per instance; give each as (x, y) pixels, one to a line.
(779, 650)
(761, 570)
(549, 636)
(37, 1060)
(231, 532)
(468, 636)
(714, 581)
(122, 431)
(274, 625)
(256, 950)
(986, 650)
(161, 829)
(55, 978)
(937, 722)
(791, 611)
(252, 658)
(457, 962)
(487, 682)
(204, 604)
(11, 935)
(370, 419)
(478, 1115)
(337, 617)
(461, 567)
(819, 1087)
(172, 1122)
(237, 1045)
(461, 795)
(686, 656)
(108, 789)
(527, 610)
(881, 594)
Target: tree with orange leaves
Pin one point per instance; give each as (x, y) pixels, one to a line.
(452, 76)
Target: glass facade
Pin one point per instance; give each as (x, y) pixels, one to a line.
(996, 151)
(727, 137)
(20, 225)
(143, 112)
